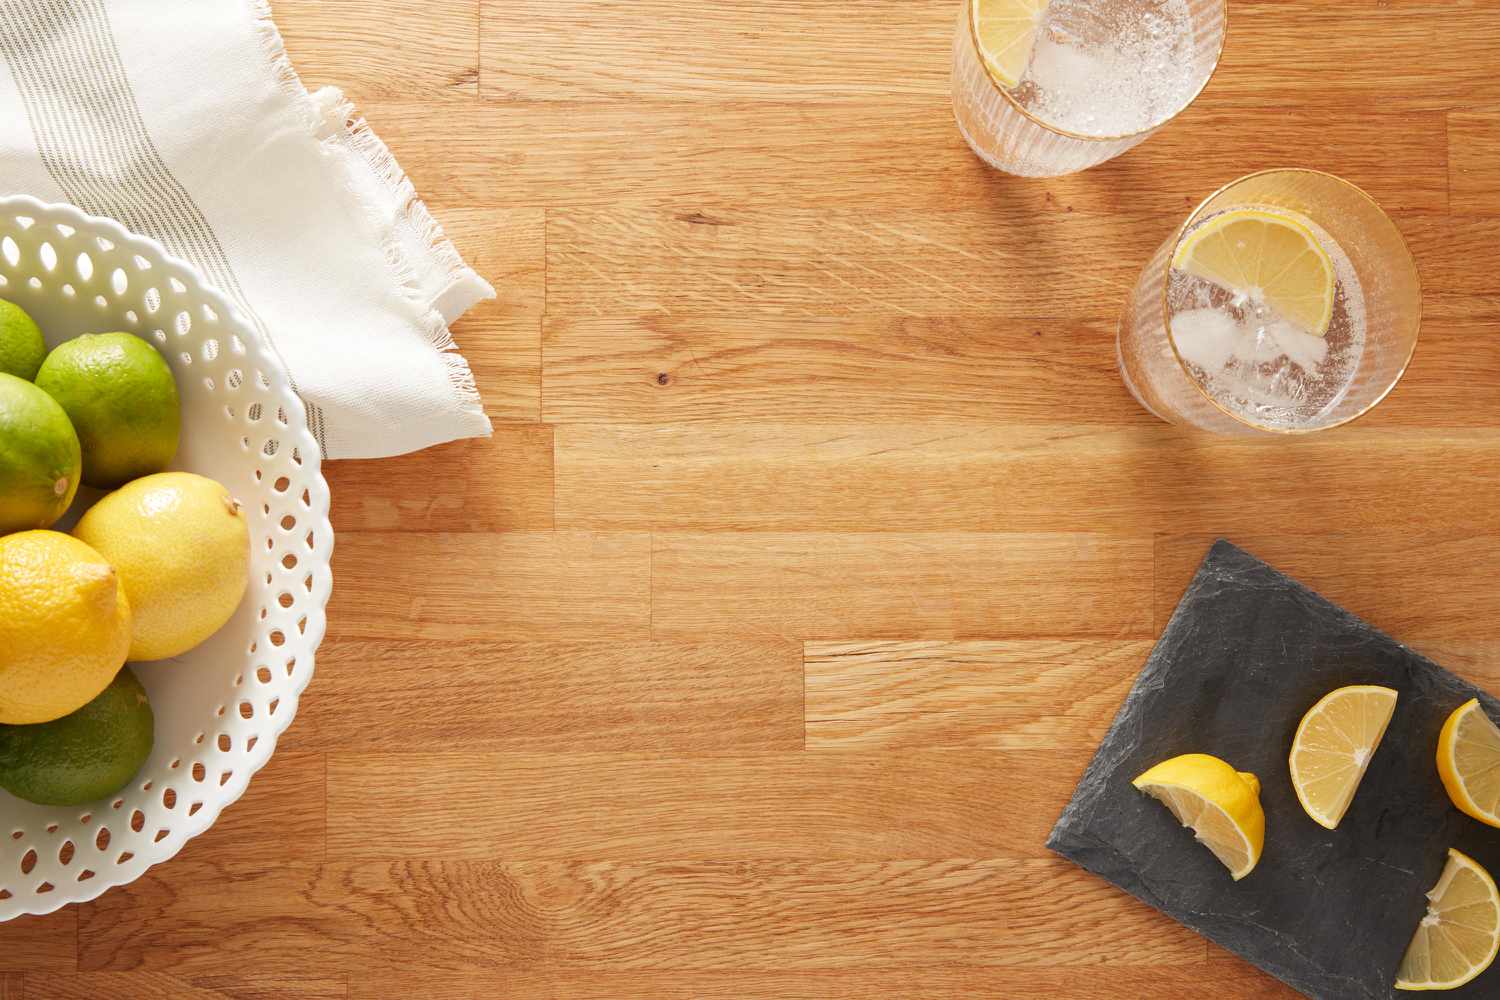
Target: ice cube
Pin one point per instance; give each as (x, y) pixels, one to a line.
(1061, 70)
(1104, 75)
(1205, 337)
(1301, 347)
(1259, 344)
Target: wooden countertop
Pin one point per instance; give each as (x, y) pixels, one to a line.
(817, 541)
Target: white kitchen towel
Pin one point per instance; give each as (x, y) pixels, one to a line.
(184, 121)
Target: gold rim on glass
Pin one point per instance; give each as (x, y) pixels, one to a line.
(1166, 312)
(969, 6)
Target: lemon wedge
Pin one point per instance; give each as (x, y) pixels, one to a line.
(1220, 804)
(1468, 761)
(1333, 747)
(1005, 31)
(1460, 935)
(1270, 257)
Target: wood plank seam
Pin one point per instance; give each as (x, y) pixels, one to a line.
(541, 368)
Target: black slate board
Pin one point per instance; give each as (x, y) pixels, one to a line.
(1329, 912)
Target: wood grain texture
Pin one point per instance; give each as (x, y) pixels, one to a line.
(40, 944)
(1105, 982)
(485, 917)
(499, 483)
(964, 262)
(789, 477)
(517, 585)
(764, 49)
(502, 338)
(788, 805)
(504, 352)
(1026, 694)
(674, 371)
(1475, 660)
(817, 541)
(928, 585)
(558, 696)
(1453, 382)
(666, 370)
(841, 262)
(292, 786)
(406, 47)
(1458, 282)
(156, 985)
(1432, 54)
(505, 246)
(898, 155)
(1473, 154)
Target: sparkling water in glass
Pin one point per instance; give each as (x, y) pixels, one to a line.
(1100, 76)
(1197, 352)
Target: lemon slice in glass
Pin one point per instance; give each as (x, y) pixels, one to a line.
(1005, 31)
(1333, 747)
(1468, 760)
(1270, 257)
(1460, 935)
(1220, 804)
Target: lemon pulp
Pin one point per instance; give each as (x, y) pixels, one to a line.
(1468, 761)
(1334, 746)
(1267, 256)
(1005, 31)
(1460, 935)
(1220, 805)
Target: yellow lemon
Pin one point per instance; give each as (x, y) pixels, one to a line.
(1468, 761)
(1220, 804)
(1268, 256)
(64, 626)
(182, 547)
(1005, 31)
(1460, 935)
(1333, 748)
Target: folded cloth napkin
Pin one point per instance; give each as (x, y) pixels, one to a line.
(184, 121)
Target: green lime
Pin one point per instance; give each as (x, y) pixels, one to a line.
(88, 755)
(39, 457)
(21, 345)
(122, 400)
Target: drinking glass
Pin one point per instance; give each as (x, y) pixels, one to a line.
(1209, 358)
(1103, 75)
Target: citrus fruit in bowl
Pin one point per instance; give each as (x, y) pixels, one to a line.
(242, 462)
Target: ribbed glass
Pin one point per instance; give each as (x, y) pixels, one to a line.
(1008, 139)
(1387, 273)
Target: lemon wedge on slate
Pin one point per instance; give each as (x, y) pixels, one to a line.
(1333, 748)
(1220, 804)
(1468, 761)
(1460, 935)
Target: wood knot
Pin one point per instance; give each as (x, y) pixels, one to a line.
(662, 378)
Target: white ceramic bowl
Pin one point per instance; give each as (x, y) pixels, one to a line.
(219, 708)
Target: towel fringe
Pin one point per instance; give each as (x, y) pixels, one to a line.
(342, 124)
(362, 138)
